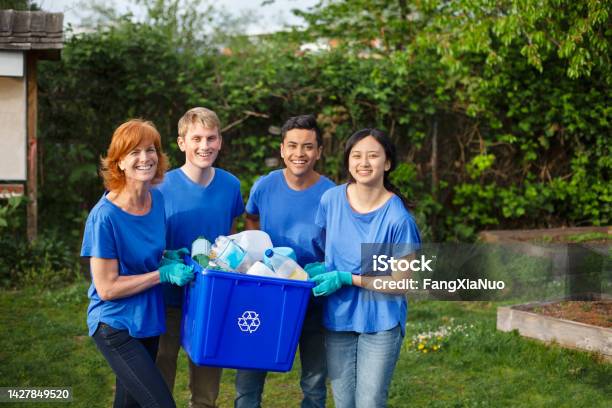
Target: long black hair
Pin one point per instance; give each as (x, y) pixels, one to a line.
(390, 154)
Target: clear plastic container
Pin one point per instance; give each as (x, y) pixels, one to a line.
(200, 246)
(286, 251)
(254, 242)
(259, 269)
(285, 267)
(230, 256)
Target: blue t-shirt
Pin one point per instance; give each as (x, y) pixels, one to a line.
(193, 211)
(352, 308)
(137, 243)
(288, 215)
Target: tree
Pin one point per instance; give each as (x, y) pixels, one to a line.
(19, 5)
(493, 132)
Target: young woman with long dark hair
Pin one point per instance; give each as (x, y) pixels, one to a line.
(364, 319)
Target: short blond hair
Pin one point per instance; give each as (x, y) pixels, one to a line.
(203, 116)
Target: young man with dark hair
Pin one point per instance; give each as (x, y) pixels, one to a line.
(284, 204)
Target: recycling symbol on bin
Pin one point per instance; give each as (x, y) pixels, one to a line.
(249, 321)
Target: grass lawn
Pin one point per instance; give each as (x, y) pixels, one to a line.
(44, 342)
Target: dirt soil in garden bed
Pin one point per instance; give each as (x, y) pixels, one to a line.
(588, 238)
(570, 235)
(597, 313)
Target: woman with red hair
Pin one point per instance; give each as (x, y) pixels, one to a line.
(125, 239)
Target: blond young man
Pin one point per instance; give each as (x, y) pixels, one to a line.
(200, 200)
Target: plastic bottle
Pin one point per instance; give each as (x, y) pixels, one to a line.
(285, 267)
(200, 246)
(254, 242)
(259, 269)
(246, 263)
(285, 251)
(200, 249)
(227, 254)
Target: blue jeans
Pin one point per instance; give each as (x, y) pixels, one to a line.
(360, 366)
(250, 383)
(139, 382)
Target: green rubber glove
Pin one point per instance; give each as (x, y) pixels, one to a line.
(315, 269)
(176, 254)
(329, 282)
(176, 273)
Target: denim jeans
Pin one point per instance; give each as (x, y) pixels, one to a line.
(138, 381)
(250, 383)
(360, 366)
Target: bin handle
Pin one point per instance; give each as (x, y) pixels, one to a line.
(197, 268)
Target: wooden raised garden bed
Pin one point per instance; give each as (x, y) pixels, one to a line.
(549, 235)
(579, 255)
(537, 321)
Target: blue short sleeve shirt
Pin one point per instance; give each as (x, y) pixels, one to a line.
(288, 215)
(194, 211)
(352, 308)
(137, 243)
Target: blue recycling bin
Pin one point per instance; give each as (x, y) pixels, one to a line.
(240, 321)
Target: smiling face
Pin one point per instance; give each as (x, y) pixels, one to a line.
(201, 145)
(300, 151)
(140, 163)
(368, 162)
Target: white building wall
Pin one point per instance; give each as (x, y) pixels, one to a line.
(13, 128)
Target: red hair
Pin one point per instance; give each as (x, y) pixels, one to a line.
(127, 136)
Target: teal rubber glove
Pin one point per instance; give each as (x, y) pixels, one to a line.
(315, 269)
(329, 282)
(176, 273)
(176, 254)
(165, 262)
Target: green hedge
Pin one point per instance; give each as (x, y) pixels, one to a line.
(517, 98)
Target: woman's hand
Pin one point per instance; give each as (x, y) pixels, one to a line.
(329, 282)
(176, 273)
(177, 254)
